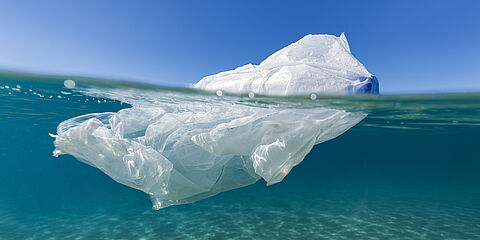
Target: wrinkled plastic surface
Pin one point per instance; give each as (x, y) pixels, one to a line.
(320, 64)
(180, 148)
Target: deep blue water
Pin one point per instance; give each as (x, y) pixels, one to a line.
(410, 170)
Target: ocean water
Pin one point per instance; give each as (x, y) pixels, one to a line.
(409, 170)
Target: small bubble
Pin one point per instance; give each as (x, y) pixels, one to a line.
(402, 123)
(98, 101)
(454, 122)
(18, 86)
(7, 87)
(59, 96)
(219, 93)
(30, 90)
(69, 83)
(313, 96)
(51, 96)
(251, 95)
(34, 93)
(9, 93)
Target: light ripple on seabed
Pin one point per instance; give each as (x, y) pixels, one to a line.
(278, 216)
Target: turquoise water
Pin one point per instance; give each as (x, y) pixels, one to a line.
(409, 170)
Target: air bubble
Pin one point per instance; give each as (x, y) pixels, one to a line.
(219, 93)
(69, 83)
(313, 96)
(251, 95)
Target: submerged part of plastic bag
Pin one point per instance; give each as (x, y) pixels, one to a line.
(180, 150)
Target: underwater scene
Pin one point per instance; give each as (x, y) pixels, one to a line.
(356, 167)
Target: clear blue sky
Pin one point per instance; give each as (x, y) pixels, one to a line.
(412, 46)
